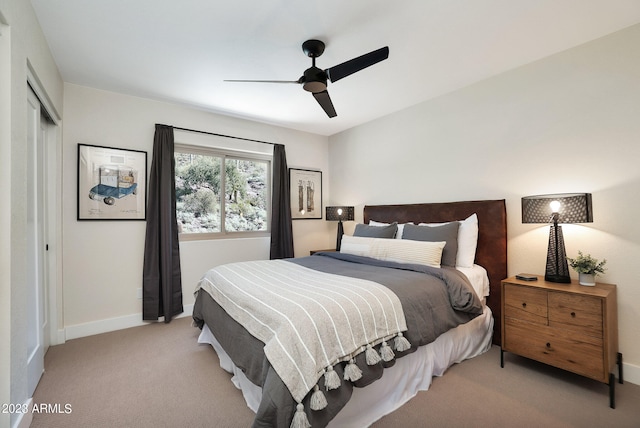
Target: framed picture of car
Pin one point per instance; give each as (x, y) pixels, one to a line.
(112, 183)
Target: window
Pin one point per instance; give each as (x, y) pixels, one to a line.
(221, 192)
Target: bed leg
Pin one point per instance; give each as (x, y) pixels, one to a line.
(501, 358)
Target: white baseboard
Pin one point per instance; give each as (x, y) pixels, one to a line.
(24, 420)
(630, 372)
(60, 337)
(111, 324)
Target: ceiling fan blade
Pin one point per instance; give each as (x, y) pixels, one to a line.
(347, 68)
(325, 102)
(265, 81)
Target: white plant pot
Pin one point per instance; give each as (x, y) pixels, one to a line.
(587, 279)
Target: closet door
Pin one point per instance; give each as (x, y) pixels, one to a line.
(37, 299)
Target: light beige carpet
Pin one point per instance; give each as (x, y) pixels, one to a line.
(158, 376)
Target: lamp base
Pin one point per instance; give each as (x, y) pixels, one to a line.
(557, 266)
(557, 278)
(340, 233)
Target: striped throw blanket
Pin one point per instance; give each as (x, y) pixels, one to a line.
(308, 320)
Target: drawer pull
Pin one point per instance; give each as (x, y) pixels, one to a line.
(524, 305)
(548, 345)
(573, 314)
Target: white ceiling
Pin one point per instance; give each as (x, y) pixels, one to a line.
(182, 50)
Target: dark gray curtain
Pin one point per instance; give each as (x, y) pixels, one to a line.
(281, 231)
(161, 281)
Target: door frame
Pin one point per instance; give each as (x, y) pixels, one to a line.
(5, 214)
(53, 257)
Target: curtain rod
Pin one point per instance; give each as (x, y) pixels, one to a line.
(217, 135)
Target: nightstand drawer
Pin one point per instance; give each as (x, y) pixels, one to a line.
(578, 313)
(525, 303)
(569, 351)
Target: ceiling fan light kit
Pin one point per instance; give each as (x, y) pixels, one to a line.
(314, 79)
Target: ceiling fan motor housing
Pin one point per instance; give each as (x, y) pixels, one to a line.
(314, 80)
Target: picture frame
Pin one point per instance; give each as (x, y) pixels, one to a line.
(306, 194)
(112, 183)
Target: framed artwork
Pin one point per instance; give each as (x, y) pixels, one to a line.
(306, 194)
(112, 183)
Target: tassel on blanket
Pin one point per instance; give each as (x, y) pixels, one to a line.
(300, 418)
(331, 379)
(401, 343)
(372, 356)
(386, 352)
(318, 400)
(352, 372)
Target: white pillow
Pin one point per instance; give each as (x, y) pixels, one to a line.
(398, 233)
(394, 250)
(467, 240)
(356, 245)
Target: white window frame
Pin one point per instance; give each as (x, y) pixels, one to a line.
(225, 153)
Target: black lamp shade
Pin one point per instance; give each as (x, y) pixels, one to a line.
(347, 214)
(340, 214)
(573, 208)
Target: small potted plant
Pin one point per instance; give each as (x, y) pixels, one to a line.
(587, 267)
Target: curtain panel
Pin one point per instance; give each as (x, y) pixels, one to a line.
(281, 230)
(162, 283)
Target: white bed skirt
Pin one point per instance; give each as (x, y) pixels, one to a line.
(400, 383)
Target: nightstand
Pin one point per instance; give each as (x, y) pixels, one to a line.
(312, 252)
(569, 326)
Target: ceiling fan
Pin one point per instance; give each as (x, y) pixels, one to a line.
(314, 79)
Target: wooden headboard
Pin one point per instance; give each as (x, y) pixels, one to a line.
(491, 252)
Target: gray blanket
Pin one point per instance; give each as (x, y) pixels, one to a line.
(433, 300)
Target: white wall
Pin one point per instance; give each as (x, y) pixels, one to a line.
(567, 123)
(102, 260)
(24, 54)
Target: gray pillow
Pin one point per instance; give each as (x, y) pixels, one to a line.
(364, 230)
(446, 232)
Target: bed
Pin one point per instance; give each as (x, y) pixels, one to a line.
(283, 382)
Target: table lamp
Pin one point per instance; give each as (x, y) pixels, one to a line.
(557, 208)
(339, 214)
